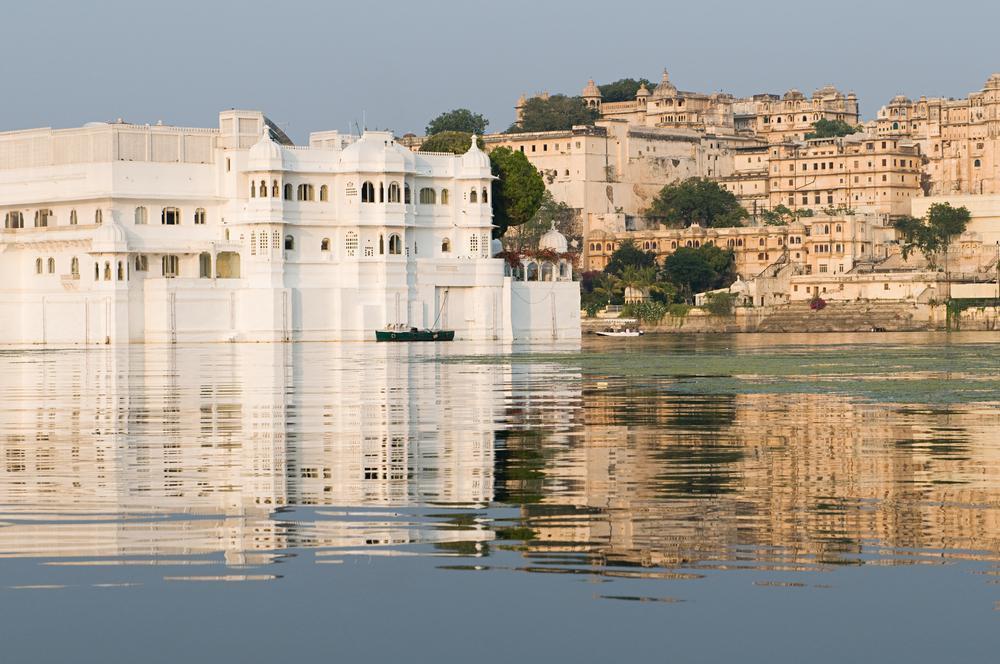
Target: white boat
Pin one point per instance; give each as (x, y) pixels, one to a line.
(620, 332)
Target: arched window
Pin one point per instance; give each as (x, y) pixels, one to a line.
(262, 188)
(170, 216)
(74, 266)
(761, 242)
(38, 266)
(253, 190)
(170, 266)
(444, 197)
(324, 193)
(199, 216)
(445, 246)
(204, 265)
(288, 191)
(42, 218)
(72, 218)
(107, 270)
(97, 271)
(826, 229)
(406, 194)
(428, 196)
(381, 245)
(13, 220)
(394, 192)
(977, 163)
(367, 192)
(274, 189)
(52, 266)
(305, 192)
(486, 198)
(98, 217)
(121, 271)
(838, 228)
(289, 243)
(351, 243)
(395, 245)
(473, 196)
(141, 216)
(324, 244)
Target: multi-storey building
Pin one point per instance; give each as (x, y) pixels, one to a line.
(960, 138)
(119, 232)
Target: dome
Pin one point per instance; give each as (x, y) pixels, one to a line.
(591, 90)
(793, 94)
(265, 154)
(554, 240)
(643, 92)
(475, 161)
(377, 151)
(899, 99)
(665, 88)
(993, 82)
(827, 91)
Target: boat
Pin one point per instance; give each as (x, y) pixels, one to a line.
(414, 334)
(620, 332)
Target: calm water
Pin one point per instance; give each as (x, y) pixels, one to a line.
(752, 498)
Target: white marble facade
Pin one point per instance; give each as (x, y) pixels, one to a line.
(116, 232)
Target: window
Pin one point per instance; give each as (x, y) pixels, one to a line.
(253, 190)
(381, 245)
(324, 193)
(42, 218)
(305, 192)
(39, 266)
(485, 196)
(170, 216)
(324, 244)
(141, 216)
(199, 216)
(13, 220)
(406, 194)
(171, 266)
(428, 196)
(52, 266)
(98, 217)
(204, 265)
(72, 217)
(444, 197)
(394, 192)
(977, 163)
(253, 244)
(107, 271)
(395, 245)
(141, 263)
(97, 271)
(351, 243)
(473, 196)
(274, 189)
(74, 267)
(445, 246)
(381, 193)
(288, 191)
(289, 243)
(121, 271)
(367, 193)
(474, 242)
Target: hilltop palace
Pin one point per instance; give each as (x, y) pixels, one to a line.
(116, 232)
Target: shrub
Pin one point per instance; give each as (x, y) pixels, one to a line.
(720, 304)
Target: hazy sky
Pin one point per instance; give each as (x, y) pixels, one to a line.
(313, 65)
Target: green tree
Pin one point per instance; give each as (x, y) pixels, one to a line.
(628, 254)
(831, 128)
(460, 119)
(934, 233)
(780, 215)
(623, 89)
(695, 270)
(696, 201)
(636, 278)
(518, 189)
(554, 113)
(457, 142)
(550, 213)
(720, 304)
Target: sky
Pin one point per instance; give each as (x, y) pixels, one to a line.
(314, 65)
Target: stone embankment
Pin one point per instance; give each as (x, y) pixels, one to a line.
(859, 316)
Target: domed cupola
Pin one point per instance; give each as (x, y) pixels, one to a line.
(665, 88)
(475, 162)
(265, 154)
(553, 240)
(377, 151)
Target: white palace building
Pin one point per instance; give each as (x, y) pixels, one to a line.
(116, 233)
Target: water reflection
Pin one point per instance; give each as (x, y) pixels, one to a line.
(230, 459)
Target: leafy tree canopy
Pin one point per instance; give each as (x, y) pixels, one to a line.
(555, 113)
(831, 128)
(696, 201)
(550, 212)
(695, 270)
(933, 233)
(623, 89)
(457, 142)
(780, 215)
(518, 189)
(628, 254)
(460, 119)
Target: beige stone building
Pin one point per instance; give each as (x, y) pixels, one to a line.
(959, 137)
(791, 116)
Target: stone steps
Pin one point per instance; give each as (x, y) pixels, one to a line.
(842, 317)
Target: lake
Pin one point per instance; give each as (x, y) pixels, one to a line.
(786, 498)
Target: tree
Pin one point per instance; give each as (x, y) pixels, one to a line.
(696, 201)
(518, 189)
(695, 270)
(831, 128)
(628, 254)
(636, 278)
(623, 89)
(550, 213)
(457, 142)
(460, 119)
(934, 233)
(554, 113)
(780, 215)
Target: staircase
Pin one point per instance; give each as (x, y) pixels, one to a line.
(859, 316)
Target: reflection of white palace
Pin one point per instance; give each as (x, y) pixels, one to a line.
(231, 434)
